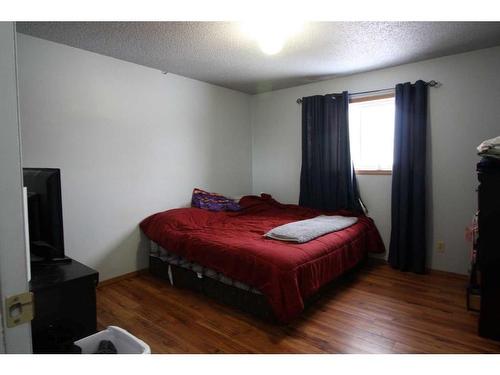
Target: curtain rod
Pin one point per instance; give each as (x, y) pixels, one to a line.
(431, 83)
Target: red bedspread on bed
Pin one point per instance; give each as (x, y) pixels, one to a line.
(233, 243)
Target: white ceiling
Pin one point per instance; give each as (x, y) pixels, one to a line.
(219, 53)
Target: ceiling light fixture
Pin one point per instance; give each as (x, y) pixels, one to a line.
(271, 36)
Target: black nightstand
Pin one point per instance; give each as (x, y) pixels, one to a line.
(65, 305)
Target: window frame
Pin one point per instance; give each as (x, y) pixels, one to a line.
(369, 98)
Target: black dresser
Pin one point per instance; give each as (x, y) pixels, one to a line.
(65, 305)
(488, 254)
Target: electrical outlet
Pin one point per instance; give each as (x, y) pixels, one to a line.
(440, 247)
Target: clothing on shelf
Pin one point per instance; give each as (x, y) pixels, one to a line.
(490, 148)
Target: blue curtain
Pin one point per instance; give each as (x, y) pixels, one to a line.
(327, 179)
(407, 249)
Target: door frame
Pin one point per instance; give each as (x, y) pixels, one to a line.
(13, 256)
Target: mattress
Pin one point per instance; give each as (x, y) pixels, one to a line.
(232, 245)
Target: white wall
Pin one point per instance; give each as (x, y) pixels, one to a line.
(129, 141)
(463, 111)
(111, 125)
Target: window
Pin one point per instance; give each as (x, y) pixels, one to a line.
(371, 133)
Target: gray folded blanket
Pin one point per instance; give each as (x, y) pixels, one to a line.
(307, 230)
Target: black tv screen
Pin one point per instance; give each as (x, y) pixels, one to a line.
(45, 218)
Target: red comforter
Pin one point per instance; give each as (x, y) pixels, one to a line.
(232, 243)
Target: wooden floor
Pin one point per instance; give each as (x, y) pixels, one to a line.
(373, 310)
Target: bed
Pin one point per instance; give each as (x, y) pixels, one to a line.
(225, 254)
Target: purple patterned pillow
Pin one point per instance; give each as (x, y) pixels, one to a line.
(213, 201)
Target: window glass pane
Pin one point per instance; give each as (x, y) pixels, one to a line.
(371, 132)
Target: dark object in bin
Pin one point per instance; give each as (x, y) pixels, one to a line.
(106, 347)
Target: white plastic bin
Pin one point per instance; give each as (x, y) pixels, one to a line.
(125, 342)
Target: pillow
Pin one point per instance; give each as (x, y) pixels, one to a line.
(212, 201)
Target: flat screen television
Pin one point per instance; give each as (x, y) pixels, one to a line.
(45, 220)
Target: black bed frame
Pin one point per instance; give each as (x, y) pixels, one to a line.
(252, 303)
(255, 304)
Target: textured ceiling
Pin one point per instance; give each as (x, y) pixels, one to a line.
(219, 53)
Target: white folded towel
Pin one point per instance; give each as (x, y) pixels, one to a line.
(307, 230)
